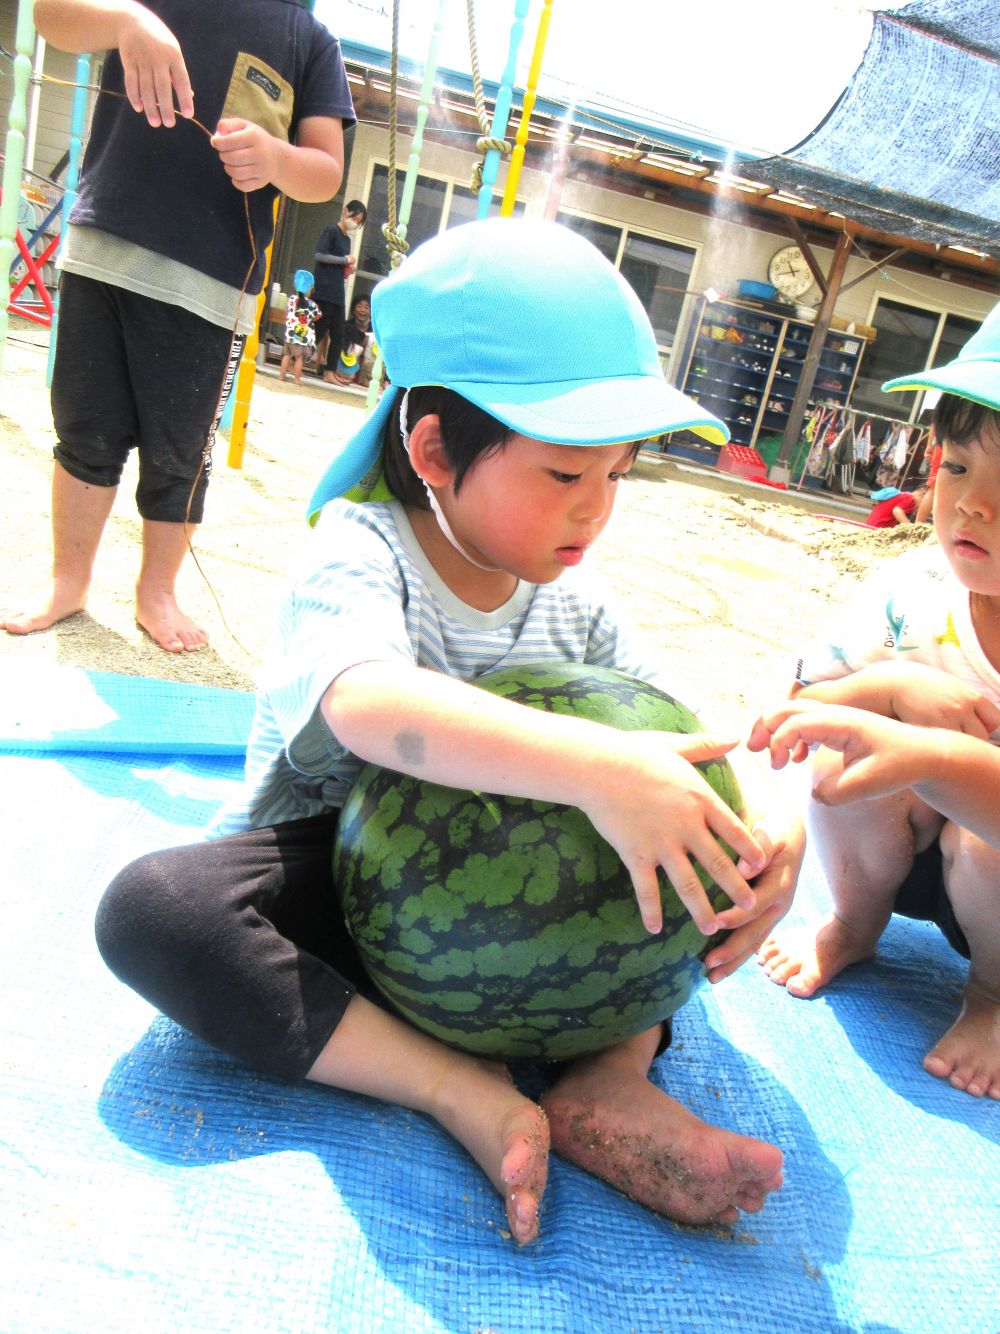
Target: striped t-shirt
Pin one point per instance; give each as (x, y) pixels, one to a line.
(370, 594)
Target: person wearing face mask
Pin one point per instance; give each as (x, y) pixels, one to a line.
(334, 264)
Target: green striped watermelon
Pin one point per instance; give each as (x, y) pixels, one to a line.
(509, 927)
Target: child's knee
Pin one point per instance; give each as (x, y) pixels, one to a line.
(145, 918)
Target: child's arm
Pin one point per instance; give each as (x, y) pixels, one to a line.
(151, 58)
(637, 788)
(956, 774)
(309, 170)
(911, 693)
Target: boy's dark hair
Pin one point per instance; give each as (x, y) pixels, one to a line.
(467, 432)
(355, 207)
(960, 421)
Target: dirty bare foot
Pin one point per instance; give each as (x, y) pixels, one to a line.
(44, 609)
(166, 625)
(621, 1128)
(508, 1136)
(803, 959)
(968, 1055)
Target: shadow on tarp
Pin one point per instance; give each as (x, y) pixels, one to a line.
(894, 1008)
(434, 1226)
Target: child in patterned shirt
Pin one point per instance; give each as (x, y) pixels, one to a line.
(301, 315)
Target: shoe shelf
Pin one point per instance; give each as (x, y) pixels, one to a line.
(744, 365)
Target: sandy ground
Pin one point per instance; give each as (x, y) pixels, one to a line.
(725, 583)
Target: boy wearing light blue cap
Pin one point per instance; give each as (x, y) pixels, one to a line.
(301, 315)
(919, 645)
(523, 373)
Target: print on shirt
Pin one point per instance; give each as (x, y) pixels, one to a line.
(895, 630)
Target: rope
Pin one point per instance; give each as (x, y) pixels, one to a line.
(395, 240)
(486, 141)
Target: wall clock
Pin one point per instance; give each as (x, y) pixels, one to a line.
(789, 272)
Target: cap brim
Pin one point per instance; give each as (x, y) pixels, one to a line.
(356, 456)
(595, 412)
(978, 381)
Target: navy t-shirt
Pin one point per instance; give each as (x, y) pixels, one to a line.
(330, 277)
(268, 61)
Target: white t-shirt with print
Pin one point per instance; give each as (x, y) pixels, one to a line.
(912, 609)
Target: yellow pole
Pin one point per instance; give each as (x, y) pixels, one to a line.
(243, 388)
(535, 69)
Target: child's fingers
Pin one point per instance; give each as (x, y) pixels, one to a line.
(163, 91)
(988, 715)
(741, 944)
(766, 845)
(689, 890)
(646, 884)
(182, 89)
(696, 747)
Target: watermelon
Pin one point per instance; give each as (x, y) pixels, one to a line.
(508, 927)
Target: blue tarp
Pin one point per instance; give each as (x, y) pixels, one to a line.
(151, 1184)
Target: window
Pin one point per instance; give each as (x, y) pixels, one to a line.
(658, 271)
(425, 221)
(436, 203)
(908, 340)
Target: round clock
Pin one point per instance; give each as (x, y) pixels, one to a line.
(789, 272)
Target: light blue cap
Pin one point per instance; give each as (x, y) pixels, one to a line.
(304, 282)
(528, 321)
(974, 374)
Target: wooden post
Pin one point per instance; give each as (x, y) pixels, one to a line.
(780, 471)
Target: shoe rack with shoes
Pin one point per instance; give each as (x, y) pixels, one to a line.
(745, 362)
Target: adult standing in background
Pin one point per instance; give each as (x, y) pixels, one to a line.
(333, 265)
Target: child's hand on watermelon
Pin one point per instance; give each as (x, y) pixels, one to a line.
(657, 811)
(783, 839)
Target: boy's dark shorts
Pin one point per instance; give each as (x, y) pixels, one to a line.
(922, 897)
(131, 372)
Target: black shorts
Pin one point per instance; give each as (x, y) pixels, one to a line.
(131, 372)
(922, 897)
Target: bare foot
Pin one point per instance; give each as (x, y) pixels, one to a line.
(43, 610)
(508, 1136)
(638, 1139)
(968, 1055)
(167, 625)
(805, 958)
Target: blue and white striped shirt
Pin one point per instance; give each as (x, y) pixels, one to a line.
(370, 594)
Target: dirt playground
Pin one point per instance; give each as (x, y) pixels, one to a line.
(725, 581)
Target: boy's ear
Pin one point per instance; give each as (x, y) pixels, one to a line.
(427, 452)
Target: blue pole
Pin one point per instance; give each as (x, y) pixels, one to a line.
(501, 111)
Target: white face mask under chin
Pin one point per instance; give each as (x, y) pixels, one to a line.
(436, 510)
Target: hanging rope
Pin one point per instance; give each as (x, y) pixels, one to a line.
(396, 228)
(486, 142)
(395, 240)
